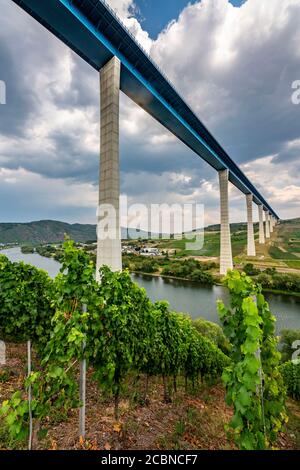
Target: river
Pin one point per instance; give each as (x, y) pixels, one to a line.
(192, 298)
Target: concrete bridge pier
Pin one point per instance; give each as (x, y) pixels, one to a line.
(267, 223)
(271, 224)
(250, 229)
(109, 251)
(261, 225)
(226, 261)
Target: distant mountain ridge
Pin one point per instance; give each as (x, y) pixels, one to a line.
(45, 231)
(52, 231)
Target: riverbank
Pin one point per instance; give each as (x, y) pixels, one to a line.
(210, 278)
(200, 272)
(183, 295)
(217, 282)
(165, 276)
(282, 292)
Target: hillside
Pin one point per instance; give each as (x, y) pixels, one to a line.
(52, 231)
(45, 231)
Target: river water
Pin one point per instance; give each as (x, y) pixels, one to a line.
(188, 297)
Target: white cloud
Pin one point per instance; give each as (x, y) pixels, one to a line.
(123, 8)
(25, 195)
(278, 181)
(126, 9)
(234, 66)
(219, 55)
(140, 35)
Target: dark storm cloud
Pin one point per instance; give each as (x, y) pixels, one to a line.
(20, 100)
(237, 76)
(241, 84)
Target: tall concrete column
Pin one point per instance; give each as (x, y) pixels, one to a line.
(226, 261)
(250, 229)
(267, 224)
(109, 250)
(261, 225)
(271, 223)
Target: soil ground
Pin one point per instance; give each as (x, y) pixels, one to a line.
(194, 420)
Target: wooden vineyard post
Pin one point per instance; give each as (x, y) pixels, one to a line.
(82, 389)
(29, 395)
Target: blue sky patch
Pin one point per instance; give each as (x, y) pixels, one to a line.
(156, 14)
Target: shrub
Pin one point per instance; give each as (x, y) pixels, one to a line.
(26, 294)
(203, 277)
(189, 269)
(270, 271)
(291, 376)
(213, 332)
(264, 280)
(27, 249)
(280, 282)
(250, 270)
(287, 338)
(148, 266)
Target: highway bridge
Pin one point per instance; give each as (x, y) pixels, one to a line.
(93, 31)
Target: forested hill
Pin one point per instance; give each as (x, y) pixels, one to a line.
(52, 231)
(45, 231)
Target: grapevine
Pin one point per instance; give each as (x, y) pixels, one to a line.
(121, 329)
(253, 381)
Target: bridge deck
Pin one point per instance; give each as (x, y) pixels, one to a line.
(93, 31)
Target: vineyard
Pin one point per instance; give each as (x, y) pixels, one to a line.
(110, 338)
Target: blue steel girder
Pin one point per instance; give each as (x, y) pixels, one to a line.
(92, 30)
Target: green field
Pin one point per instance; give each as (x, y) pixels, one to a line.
(282, 250)
(293, 264)
(286, 243)
(211, 246)
(276, 253)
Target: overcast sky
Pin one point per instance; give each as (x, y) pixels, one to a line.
(234, 62)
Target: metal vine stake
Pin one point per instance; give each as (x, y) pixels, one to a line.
(82, 389)
(29, 395)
